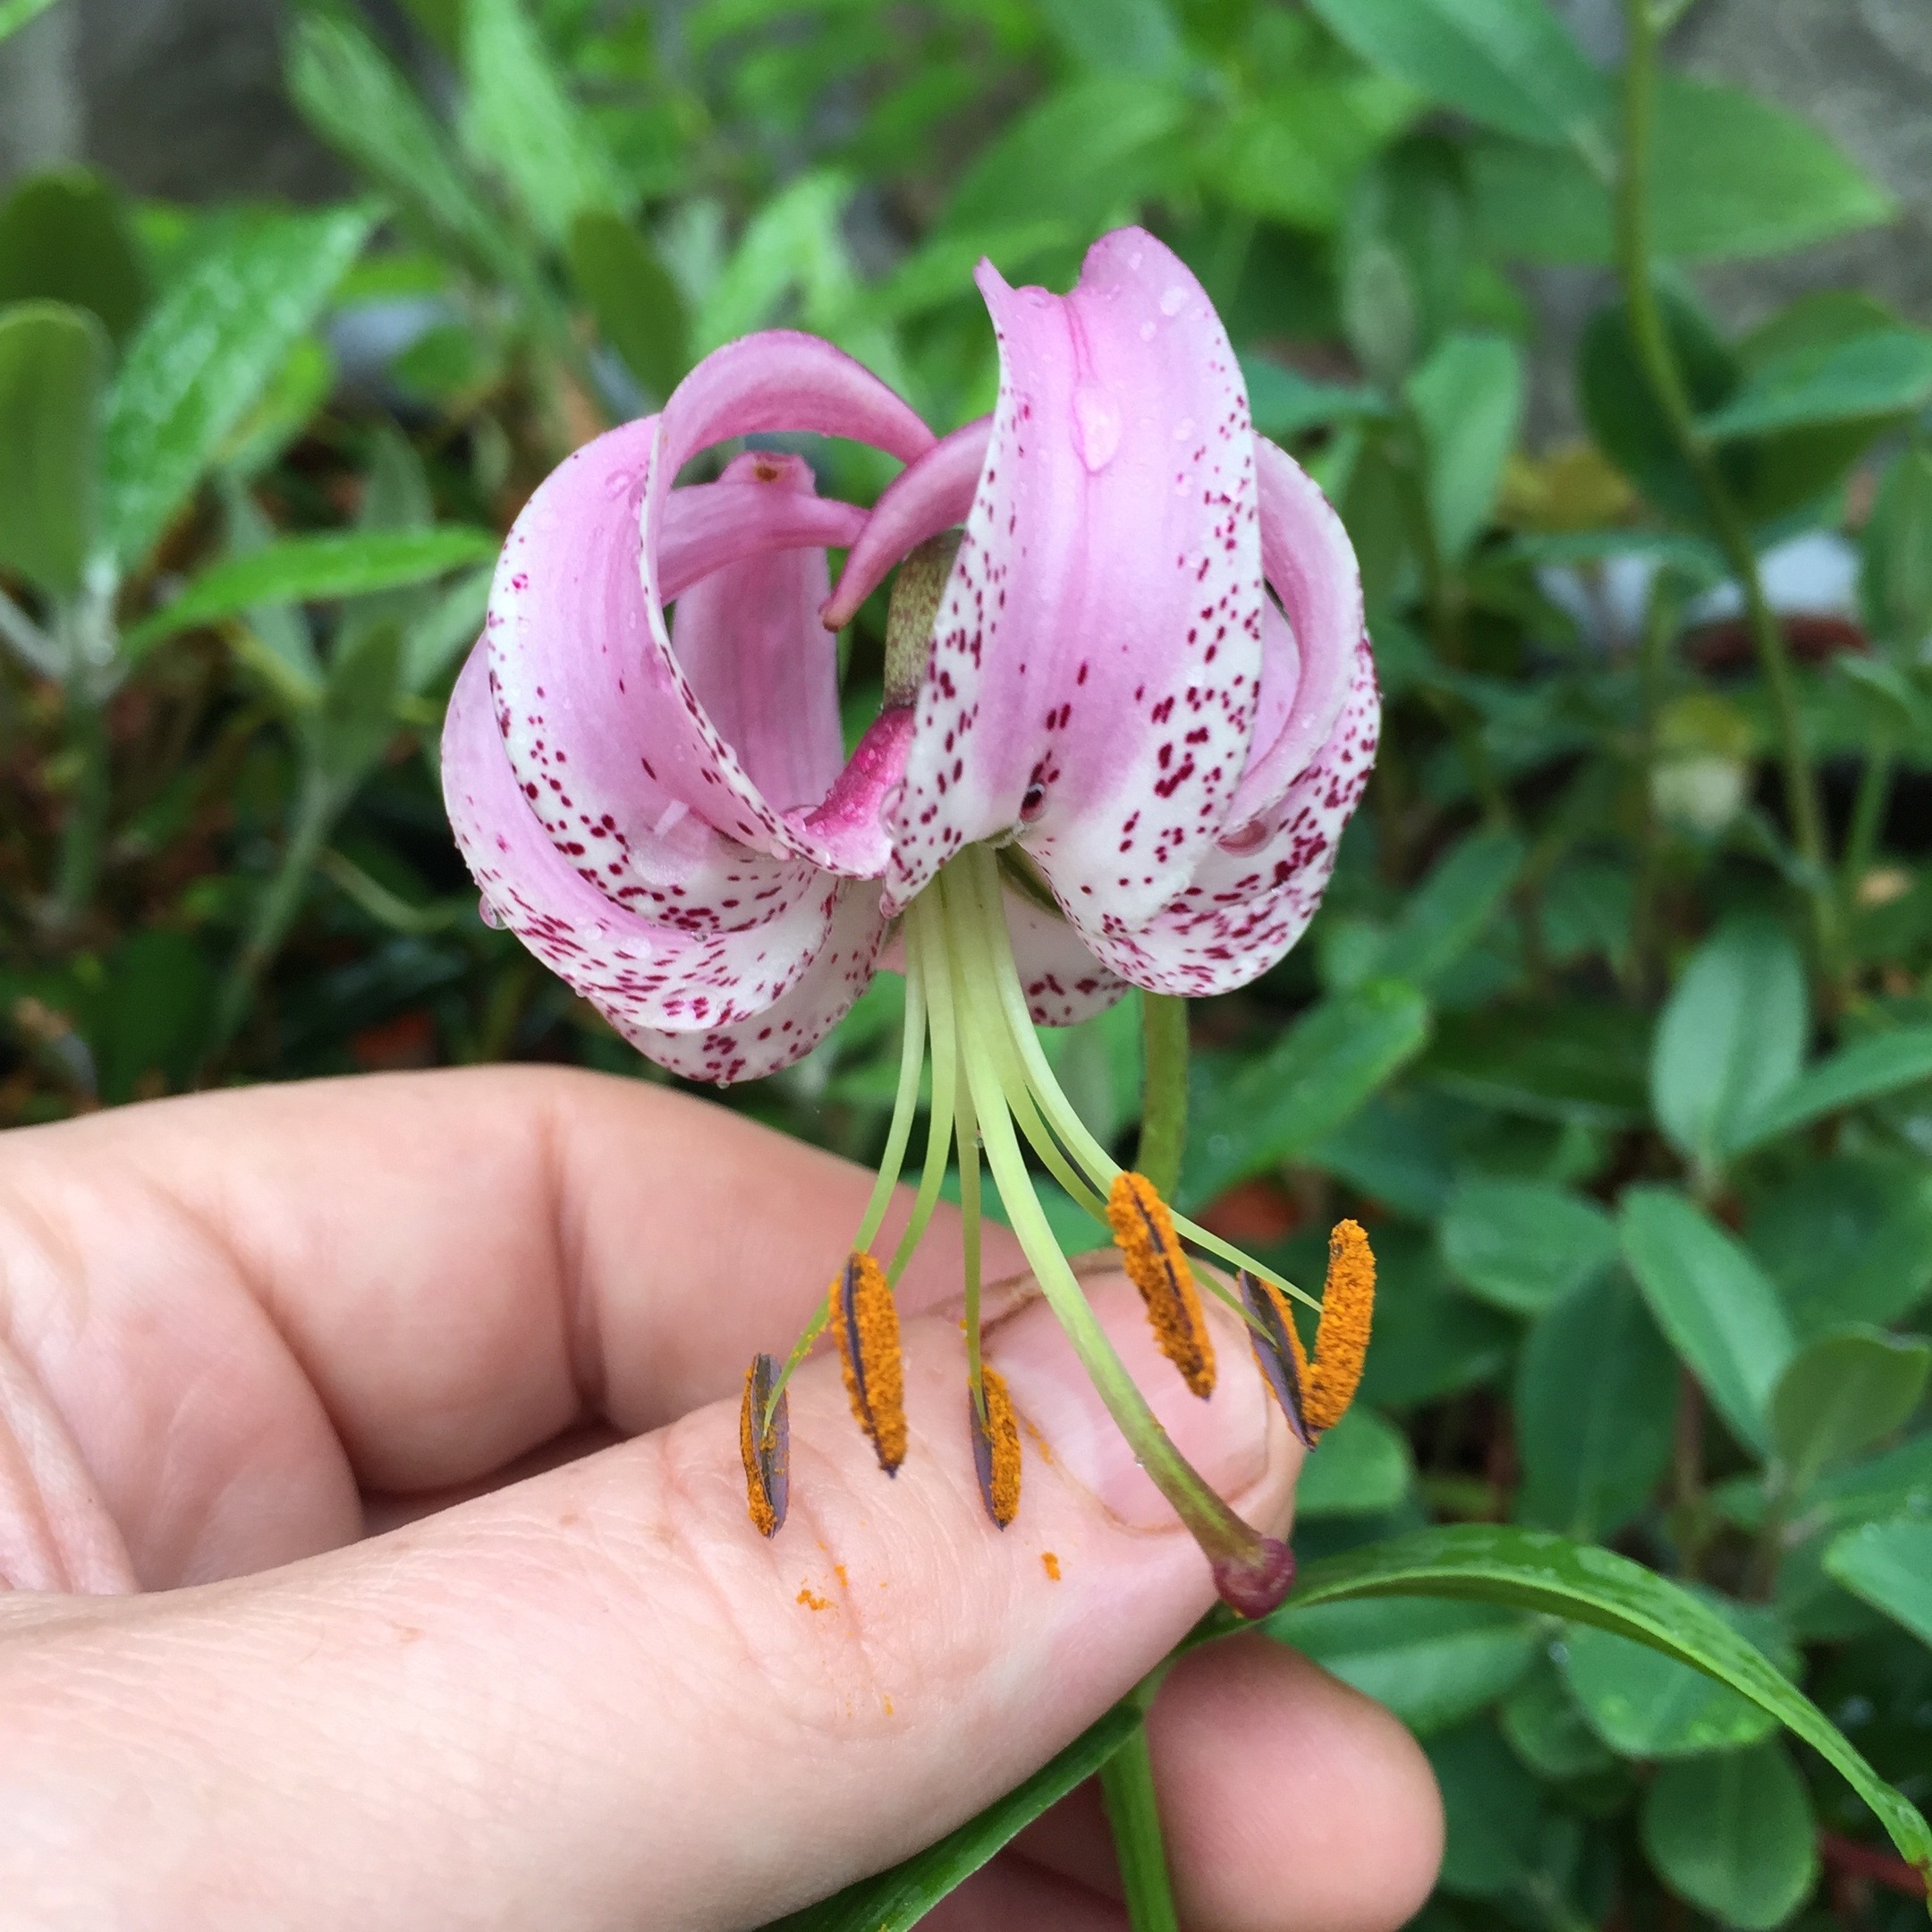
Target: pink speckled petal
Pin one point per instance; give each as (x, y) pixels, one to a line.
(639, 972)
(1065, 983)
(763, 668)
(1311, 564)
(1252, 899)
(1098, 653)
(777, 380)
(567, 632)
(849, 827)
(792, 1025)
(931, 496)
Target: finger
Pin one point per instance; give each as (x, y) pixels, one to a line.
(1286, 1798)
(437, 1272)
(601, 1691)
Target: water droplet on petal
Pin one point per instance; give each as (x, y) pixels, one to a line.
(889, 804)
(617, 485)
(1096, 425)
(1174, 300)
(489, 915)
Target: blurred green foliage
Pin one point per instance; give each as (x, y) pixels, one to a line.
(1615, 1027)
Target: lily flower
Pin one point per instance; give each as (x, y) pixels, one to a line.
(1128, 706)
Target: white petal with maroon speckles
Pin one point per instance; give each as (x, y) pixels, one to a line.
(1254, 895)
(1065, 983)
(1098, 653)
(792, 1026)
(638, 971)
(777, 380)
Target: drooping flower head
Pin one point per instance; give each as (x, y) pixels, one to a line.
(1128, 706)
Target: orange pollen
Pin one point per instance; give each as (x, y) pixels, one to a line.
(866, 1320)
(766, 1455)
(1341, 1335)
(996, 1448)
(1155, 1263)
(1050, 1563)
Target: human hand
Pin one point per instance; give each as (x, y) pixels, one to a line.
(370, 1494)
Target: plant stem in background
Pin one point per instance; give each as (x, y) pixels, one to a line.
(317, 805)
(1644, 967)
(1727, 520)
(1868, 814)
(1133, 1812)
(84, 830)
(1164, 1022)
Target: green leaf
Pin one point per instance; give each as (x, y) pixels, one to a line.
(1128, 36)
(1714, 1304)
(1730, 1041)
(894, 1900)
(1547, 1730)
(520, 120)
(1509, 64)
(1868, 1069)
(1645, 1705)
(1842, 1393)
(631, 293)
(347, 732)
(1596, 1404)
(1503, 1842)
(1283, 403)
(1577, 1062)
(1847, 1239)
(1889, 1565)
(287, 407)
(1732, 177)
(202, 359)
(53, 360)
(1734, 1835)
(1323, 1068)
(14, 15)
(63, 238)
(352, 95)
(1883, 373)
(307, 570)
(1077, 156)
(448, 627)
(1895, 574)
(1468, 398)
(1361, 1468)
(1433, 1663)
(1521, 1244)
(1449, 910)
(1527, 1570)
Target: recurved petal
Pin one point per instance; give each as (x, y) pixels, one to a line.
(777, 380)
(1098, 652)
(1306, 662)
(641, 972)
(1065, 983)
(792, 1025)
(568, 636)
(1252, 898)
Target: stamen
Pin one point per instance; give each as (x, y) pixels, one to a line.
(1341, 1335)
(1315, 1396)
(1278, 1350)
(996, 1448)
(765, 1441)
(1156, 1265)
(866, 1319)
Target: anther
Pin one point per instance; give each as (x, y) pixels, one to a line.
(995, 1448)
(1157, 1267)
(866, 1319)
(1315, 1396)
(766, 1447)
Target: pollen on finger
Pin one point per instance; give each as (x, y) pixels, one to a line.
(1341, 1335)
(1156, 1265)
(766, 1446)
(866, 1320)
(1278, 1350)
(995, 1448)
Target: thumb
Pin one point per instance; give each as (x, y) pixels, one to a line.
(601, 1693)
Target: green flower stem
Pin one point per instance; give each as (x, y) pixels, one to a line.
(318, 804)
(1164, 1025)
(1727, 520)
(905, 1104)
(1134, 1812)
(926, 931)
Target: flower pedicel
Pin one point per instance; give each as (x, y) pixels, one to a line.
(1106, 757)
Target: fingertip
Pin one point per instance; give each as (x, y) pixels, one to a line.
(1290, 1797)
